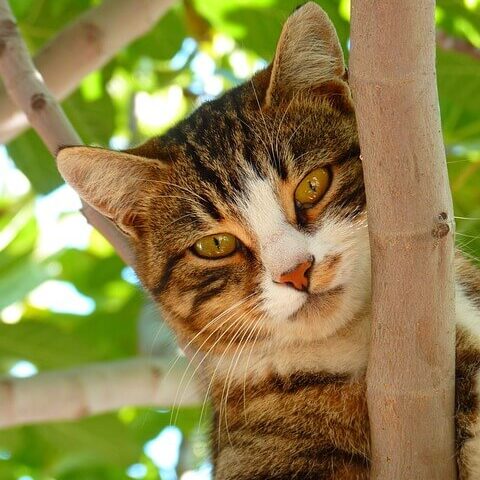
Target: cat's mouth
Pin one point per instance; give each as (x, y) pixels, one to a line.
(318, 304)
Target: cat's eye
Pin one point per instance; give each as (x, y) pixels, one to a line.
(218, 245)
(312, 188)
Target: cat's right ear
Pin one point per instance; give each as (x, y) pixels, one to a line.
(116, 184)
(308, 58)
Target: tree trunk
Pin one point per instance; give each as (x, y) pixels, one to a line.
(410, 380)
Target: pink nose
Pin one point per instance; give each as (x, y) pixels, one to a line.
(298, 276)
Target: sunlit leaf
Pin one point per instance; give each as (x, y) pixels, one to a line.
(33, 159)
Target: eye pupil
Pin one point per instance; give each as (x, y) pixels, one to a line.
(312, 188)
(215, 246)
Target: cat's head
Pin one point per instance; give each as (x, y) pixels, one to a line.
(249, 216)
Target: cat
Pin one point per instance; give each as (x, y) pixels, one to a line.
(249, 226)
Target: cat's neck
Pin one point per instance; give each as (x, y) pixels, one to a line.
(285, 401)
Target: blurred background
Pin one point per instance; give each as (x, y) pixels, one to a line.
(67, 300)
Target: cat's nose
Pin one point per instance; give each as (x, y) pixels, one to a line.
(298, 277)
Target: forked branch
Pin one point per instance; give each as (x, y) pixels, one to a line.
(82, 47)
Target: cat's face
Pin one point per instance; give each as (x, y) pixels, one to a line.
(248, 218)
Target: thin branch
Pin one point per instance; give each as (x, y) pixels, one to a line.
(26, 87)
(82, 47)
(92, 389)
(458, 45)
(411, 369)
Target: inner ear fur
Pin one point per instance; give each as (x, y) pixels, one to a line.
(308, 58)
(117, 184)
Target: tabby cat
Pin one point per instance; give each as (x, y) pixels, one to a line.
(249, 226)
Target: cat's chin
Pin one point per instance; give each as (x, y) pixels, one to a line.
(319, 305)
(322, 315)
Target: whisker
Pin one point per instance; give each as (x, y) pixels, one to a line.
(188, 215)
(298, 157)
(178, 197)
(466, 235)
(472, 257)
(294, 96)
(190, 363)
(252, 332)
(472, 239)
(205, 356)
(261, 319)
(468, 218)
(229, 309)
(231, 369)
(175, 185)
(215, 319)
(259, 137)
(218, 365)
(297, 128)
(156, 336)
(459, 161)
(226, 378)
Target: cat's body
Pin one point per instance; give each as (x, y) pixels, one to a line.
(249, 225)
(301, 412)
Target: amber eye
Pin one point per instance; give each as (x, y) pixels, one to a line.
(312, 188)
(218, 245)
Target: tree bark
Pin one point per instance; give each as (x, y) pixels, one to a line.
(27, 89)
(410, 379)
(82, 47)
(93, 389)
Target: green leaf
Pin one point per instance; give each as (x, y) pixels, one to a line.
(20, 278)
(459, 106)
(34, 160)
(44, 345)
(100, 445)
(256, 24)
(93, 119)
(19, 233)
(40, 20)
(162, 42)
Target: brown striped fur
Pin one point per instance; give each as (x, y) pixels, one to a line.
(284, 369)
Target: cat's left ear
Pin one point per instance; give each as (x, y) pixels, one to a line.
(308, 57)
(117, 184)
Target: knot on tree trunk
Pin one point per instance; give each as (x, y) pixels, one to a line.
(7, 29)
(442, 227)
(93, 36)
(38, 101)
